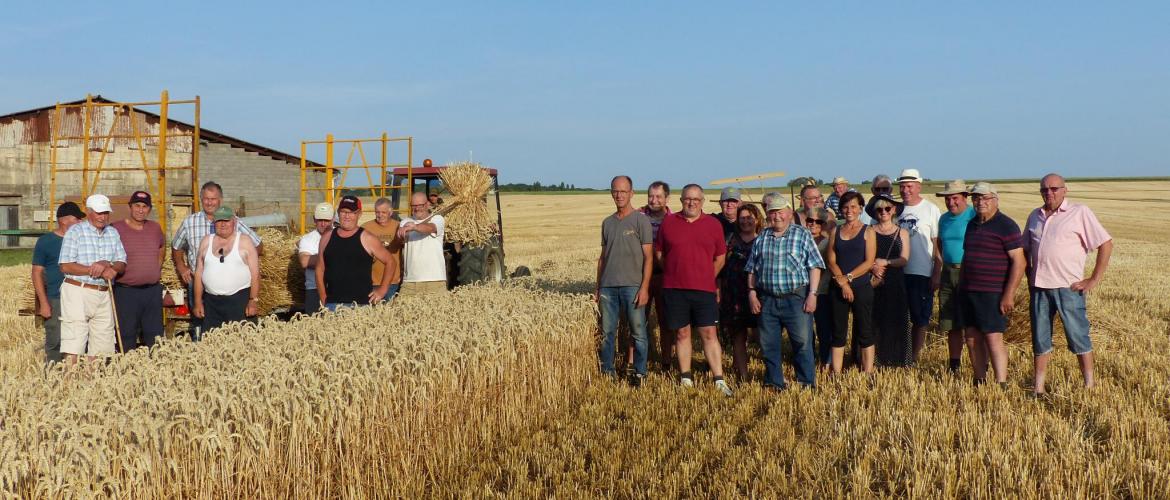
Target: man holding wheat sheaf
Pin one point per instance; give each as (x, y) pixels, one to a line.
(422, 253)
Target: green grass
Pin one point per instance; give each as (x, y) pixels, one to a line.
(15, 256)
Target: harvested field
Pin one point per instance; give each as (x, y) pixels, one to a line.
(493, 391)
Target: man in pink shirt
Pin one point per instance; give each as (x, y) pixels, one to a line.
(1057, 241)
(137, 292)
(691, 250)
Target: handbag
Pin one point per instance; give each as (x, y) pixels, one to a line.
(875, 281)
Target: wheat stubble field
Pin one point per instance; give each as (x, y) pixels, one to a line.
(492, 391)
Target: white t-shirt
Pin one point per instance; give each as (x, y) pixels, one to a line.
(422, 256)
(921, 221)
(310, 243)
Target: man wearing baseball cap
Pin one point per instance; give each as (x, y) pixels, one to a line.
(729, 200)
(189, 236)
(227, 274)
(47, 277)
(833, 202)
(307, 250)
(346, 258)
(920, 219)
(952, 229)
(138, 293)
(92, 256)
(783, 263)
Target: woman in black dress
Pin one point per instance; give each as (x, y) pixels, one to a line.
(735, 313)
(890, 314)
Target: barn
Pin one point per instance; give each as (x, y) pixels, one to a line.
(48, 153)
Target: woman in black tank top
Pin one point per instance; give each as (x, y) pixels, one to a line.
(347, 270)
(852, 250)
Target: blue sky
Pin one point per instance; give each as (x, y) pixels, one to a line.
(680, 91)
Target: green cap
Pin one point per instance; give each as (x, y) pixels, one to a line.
(223, 213)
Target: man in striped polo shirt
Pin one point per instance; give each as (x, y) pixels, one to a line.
(993, 265)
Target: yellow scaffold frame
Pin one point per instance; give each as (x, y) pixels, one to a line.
(91, 174)
(332, 188)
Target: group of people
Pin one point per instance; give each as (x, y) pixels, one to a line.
(844, 264)
(98, 286)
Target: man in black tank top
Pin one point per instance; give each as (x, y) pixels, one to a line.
(346, 256)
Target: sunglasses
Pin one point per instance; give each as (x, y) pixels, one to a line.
(815, 221)
(221, 256)
(885, 209)
(1051, 189)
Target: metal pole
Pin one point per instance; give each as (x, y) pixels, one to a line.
(382, 180)
(53, 162)
(85, 147)
(329, 168)
(195, 145)
(162, 159)
(301, 222)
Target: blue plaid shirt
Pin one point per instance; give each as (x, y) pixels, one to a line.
(196, 227)
(781, 262)
(84, 245)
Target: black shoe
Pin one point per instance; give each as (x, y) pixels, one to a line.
(635, 380)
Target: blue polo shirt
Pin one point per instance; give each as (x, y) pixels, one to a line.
(45, 254)
(951, 230)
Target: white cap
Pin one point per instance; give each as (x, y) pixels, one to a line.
(909, 175)
(778, 204)
(324, 211)
(98, 203)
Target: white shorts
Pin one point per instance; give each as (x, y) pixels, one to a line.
(87, 321)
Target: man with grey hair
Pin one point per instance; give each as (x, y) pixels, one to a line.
(385, 228)
(881, 184)
(422, 237)
(810, 198)
(623, 277)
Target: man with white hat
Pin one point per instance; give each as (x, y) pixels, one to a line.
(833, 202)
(952, 229)
(993, 265)
(307, 249)
(779, 292)
(920, 219)
(91, 257)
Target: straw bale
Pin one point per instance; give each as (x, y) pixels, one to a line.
(468, 219)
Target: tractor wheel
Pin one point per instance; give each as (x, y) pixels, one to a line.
(481, 263)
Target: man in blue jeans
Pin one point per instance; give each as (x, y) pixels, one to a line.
(784, 260)
(623, 277)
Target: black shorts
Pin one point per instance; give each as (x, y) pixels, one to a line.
(690, 307)
(981, 311)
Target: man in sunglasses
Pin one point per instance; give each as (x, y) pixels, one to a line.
(227, 274)
(880, 185)
(1057, 240)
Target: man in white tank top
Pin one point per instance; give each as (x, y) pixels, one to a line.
(227, 275)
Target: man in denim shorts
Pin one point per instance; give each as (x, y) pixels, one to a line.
(1058, 238)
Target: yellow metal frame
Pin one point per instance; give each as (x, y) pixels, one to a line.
(156, 175)
(356, 147)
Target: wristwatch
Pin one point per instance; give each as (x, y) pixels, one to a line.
(849, 277)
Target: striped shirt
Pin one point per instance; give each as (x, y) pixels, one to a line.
(84, 244)
(781, 262)
(196, 227)
(986, 264)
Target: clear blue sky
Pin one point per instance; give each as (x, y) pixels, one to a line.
(682, 91)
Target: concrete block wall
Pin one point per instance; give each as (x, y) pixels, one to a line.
(267, 185)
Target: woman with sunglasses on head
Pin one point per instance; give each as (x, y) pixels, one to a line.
(735, 312)
(227, 274)
(817, 221)
(895, 346)
(852, 250)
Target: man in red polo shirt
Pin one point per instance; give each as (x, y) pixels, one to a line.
(137, 292)
(691, 248)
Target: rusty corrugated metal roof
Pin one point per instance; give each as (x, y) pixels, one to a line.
(36, 124)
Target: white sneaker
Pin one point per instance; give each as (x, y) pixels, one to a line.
(686, 382)
(724, 388)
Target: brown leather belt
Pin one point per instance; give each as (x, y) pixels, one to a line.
(100, 288)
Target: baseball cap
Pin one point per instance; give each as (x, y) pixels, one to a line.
(98, 203)
(910, 175)
(324, 211)
(223, 213)
(70, 208)
(140, 197)
(779, 204)
(956, 186)
(729, 193)
(350, 202)
(839, 180)
(983, 188)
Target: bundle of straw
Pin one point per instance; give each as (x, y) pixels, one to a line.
(282, 281)
(468, 219)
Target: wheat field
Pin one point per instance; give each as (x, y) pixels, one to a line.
(493, 391)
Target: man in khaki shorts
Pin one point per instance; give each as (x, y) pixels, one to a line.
(91, 257)
(952, 229)
(426, 270)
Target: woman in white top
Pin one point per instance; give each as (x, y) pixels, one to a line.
(227, 276)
